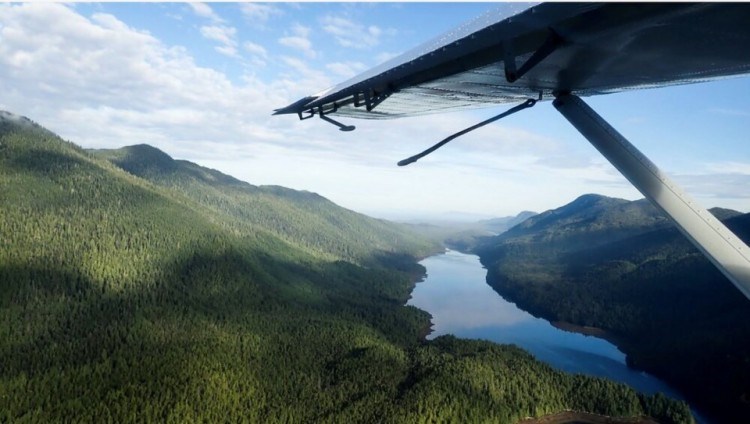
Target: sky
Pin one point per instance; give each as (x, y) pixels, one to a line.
(200, 81)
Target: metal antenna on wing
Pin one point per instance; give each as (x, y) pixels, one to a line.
(527, 104)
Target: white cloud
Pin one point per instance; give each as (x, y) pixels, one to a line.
(352, 34)
(230, 51)
(108, 21)
(726, 182)
(346, 69)
(258, 53)
(384, 57)
(223, 34)
(299, 40)
(301, 31)
(298, 43)
(258, 13)
(308, 79)
(203, 10)
(729, 167)
(730, 112)
(255, 49)
(722, 189)
(101, 83)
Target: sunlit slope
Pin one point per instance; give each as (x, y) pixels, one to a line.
(305, 218)
(623, 267)
(123, 300)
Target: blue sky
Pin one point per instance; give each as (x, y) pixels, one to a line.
(200, 81)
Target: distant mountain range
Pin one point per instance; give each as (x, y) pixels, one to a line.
(622, 266)
(500, 225)
(136, 287)
(462, 235)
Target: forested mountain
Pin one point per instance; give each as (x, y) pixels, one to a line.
(589, 219)
(148, 289)
(300, 217)
(622, 267)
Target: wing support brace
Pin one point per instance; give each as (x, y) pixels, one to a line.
(342, 127)
(527, 104)
(725, 250)
(512, 74)
(372, 99)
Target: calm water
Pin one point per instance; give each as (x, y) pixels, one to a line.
(457, 296)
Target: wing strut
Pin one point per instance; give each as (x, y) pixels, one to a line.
(341, 126)
(527, 104)
(725, 250)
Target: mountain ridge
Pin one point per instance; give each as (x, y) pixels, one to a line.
(592, 214)
(283, 211)
(502, 224)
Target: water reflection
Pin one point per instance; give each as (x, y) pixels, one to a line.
(461, 303)
(448, 294)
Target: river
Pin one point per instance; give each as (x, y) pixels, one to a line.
(461, 303)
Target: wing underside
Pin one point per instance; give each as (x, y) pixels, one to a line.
(584, 49)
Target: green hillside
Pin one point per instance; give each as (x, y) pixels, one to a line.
(620, 266)
(139, 288)
(304, 218)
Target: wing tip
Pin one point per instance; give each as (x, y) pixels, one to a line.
(296, 107)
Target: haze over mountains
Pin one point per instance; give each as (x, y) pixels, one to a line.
(621, 266)
(134, 287)
(461, 235)
(501, 225)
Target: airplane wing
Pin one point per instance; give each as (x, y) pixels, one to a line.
(585, 49)
(565, 51)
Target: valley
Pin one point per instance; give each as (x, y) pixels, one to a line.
(134, 287)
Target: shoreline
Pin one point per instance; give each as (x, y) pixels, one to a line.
(560, 416)
(700, 414)
(590, 331)
(417, 278)
(564, 417)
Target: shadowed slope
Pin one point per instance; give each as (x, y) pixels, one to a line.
(622, 267)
